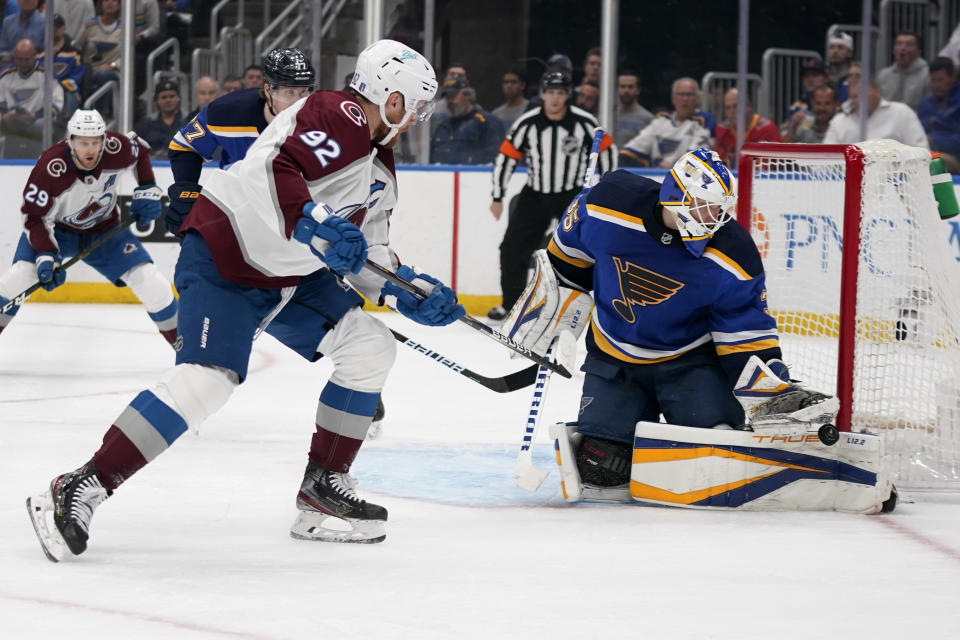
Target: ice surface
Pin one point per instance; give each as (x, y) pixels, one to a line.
(197, 546)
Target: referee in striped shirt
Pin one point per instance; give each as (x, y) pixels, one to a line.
(555, 138)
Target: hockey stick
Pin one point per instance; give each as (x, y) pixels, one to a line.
(525, 474)
(504, 384)
(471, 322)
(20, 298)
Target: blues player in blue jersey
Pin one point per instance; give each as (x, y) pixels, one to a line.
(679, 306)
(230, 124)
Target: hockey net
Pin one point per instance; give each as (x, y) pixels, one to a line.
(858, 277)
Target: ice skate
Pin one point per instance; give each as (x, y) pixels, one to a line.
(61, 515)
(331, 511)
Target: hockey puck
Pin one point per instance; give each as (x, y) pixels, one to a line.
(828, 434)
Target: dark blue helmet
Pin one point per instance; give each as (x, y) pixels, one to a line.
(288, 68)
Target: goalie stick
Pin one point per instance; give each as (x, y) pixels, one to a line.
(469, 321)
(21, 297)
(525, 474)
(503, 384)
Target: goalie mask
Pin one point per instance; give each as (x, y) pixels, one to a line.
(387, 66)
(701, 195)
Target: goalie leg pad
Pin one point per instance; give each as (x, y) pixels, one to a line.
(565, 438)
(779, 469)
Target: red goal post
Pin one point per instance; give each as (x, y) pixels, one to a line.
(857, 271)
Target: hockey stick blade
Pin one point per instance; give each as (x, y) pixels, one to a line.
(473, 323)
(530, 479)
(504, 384)
(21, 297)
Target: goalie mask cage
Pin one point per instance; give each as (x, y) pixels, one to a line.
(858, 278)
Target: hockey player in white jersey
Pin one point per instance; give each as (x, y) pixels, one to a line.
(70, 202)
(314, 193)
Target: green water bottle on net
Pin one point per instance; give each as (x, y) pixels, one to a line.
(943, 191)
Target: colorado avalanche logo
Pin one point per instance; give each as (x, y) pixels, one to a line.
(129, 248)
(56, 167)
(112, 145)
(641, 286)
(92, 214)
(354, 112)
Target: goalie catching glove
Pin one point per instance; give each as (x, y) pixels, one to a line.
(336, 241)
(439, 308)
(546, 310)
(767, 395)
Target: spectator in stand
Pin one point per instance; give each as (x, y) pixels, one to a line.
(468, 135)
(99, 44)
(810, 125)
(67, 67)
(28, 23)
(588, 96)
(907, 80)
(232, 83)
(76, 14)
(515, 103)
(160, 131)
(177, 16)
(454, 71)
(759, 128)
(839, 57)
(592, 64)
(939, 113)
(813, 75)
(205, 89)
(885, 119)
(21, 101)
(631, 116)
(670, 135)
(253, 77)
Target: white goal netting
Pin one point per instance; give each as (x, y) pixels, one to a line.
(902, 363)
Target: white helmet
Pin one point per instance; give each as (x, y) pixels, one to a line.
(702, 195)
(387, 66)
(86, 123)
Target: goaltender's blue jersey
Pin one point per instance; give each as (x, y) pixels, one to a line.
(653, 300)
(230, 123)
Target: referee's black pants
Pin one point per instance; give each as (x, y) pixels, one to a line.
(526, 227)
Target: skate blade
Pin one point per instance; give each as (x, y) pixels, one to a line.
(312, 525)
(40, 508)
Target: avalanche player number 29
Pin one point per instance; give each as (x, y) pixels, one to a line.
(329, 149)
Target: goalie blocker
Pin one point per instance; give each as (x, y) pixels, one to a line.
(783, 467)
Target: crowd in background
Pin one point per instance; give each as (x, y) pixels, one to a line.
(87, 44)
(910, 100)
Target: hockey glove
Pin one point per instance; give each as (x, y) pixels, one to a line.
(182, 196)
(336, 241)
(49, 272)
(146, 206)
(439, 308)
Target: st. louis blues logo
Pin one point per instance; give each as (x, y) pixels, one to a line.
(641, 286)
